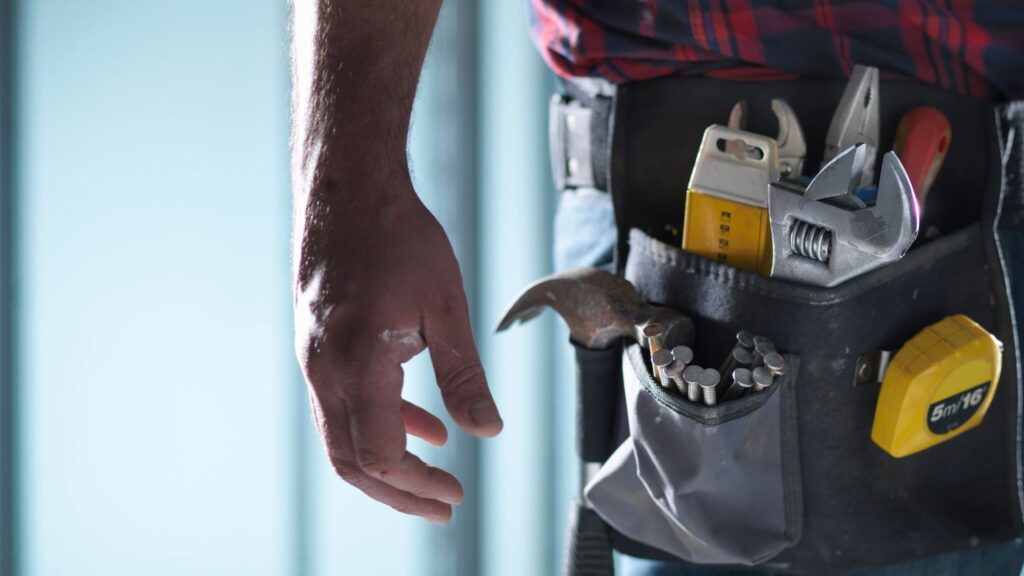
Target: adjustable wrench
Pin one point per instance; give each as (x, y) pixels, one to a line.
(820, 237)
(856, 120)
(791, 144)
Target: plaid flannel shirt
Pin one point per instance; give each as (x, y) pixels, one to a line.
(973, 47)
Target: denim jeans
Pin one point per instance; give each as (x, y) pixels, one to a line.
(585, 236)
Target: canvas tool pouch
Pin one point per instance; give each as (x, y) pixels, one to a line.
(790, 479)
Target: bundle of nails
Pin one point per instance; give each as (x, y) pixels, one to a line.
(751, 366)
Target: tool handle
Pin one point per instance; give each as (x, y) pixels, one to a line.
(588, 544)
(922, 140)
(597, 383)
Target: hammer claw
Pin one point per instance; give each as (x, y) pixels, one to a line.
(599, 307)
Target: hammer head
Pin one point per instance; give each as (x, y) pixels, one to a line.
(599, 308)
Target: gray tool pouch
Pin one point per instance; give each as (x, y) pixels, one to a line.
(717, 484)
(792, 480)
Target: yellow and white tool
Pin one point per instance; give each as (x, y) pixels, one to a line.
(938, 386)
(727, 199)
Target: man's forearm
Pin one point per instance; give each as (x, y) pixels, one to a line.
(356, 67)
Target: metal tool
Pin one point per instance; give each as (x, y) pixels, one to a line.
(746, 339)
(683, 355)
(762, 378)
(762, 346)
(744, 358)
(681, 358)
(661, 359)
(938, 386)
(775, 363)
(922, 141)
(692, 379)
(709, 382)
(600, 309)
(729, 364)
(821, 237)
(674, 373)
(856, 120)
(792, 147)
(738, 116)
(726, 216)
(738, 357)
(654, 335)
(742, 381)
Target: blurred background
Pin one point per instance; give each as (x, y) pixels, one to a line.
(152, 416)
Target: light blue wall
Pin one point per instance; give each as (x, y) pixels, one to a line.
(517, 203)
(157, 379)
(164, 427)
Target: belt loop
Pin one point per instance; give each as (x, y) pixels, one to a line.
(579, 134)
(570, 140)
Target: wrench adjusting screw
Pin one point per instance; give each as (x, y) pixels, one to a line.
(810, 241)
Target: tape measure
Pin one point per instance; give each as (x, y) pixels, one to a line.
(938, 386)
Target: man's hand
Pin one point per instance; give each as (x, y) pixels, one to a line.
(376, 280)
(376, 286)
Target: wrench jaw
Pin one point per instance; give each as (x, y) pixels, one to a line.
(817, 241)
(902, 201)
(792, 146)
(840, 177)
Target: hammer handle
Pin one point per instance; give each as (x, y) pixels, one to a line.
(597, 384)
(588, 547)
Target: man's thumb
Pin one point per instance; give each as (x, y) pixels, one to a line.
(460, 375)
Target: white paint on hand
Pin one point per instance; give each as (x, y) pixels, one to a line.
(406, 338)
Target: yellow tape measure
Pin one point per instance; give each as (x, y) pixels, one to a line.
(938, 386)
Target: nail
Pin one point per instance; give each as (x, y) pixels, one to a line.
(745, 339)
(484, 413)
(762, 379)
(691, 376)
(661, 359)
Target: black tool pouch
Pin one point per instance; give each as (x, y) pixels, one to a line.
(792, 480)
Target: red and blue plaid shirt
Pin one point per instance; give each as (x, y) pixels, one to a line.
(974, 47)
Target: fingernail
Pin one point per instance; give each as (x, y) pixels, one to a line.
(484, 413)
(440, 520)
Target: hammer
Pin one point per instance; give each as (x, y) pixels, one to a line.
(601, 309)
